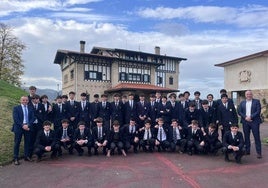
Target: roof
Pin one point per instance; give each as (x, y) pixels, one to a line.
(144, 87)
(241, 59)
(62, 53)
(97, 49)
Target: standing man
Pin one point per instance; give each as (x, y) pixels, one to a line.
(23, 117)
(250, 112)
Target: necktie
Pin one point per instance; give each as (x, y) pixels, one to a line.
(60, 107)
(174, 135)
(35, 106)
(148, 135)
(25, 114)
(99, 135)
(161, 131)
(131, 105)
(64, 133)
(173, 104)
(116, 104)
(47, 134)
(132, 130)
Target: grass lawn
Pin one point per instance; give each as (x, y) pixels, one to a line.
(9, 97)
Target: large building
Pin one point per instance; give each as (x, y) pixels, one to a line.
(107, 70)
(249, 72)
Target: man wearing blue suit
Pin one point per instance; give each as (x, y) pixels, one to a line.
(23, 117)
(250, 110)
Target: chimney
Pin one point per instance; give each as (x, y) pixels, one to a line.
(82, 46)
(157, 50)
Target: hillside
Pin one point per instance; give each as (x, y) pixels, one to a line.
(9, 97)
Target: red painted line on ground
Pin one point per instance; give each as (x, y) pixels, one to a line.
(227, 170)
(178, 171)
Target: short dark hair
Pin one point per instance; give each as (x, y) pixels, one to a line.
(195, 122)
(83, 94)
(186, 92)
(224, 95)
(47, 123)
(71, 92)
(191, 104)
(204, 101)
(81, 123)
(65, 121)
(104, 95)
(223, 91)
(212, 126)
(197, 93)
(147, 121)
(116, 123)
(44, 96)
(64, 96)
(234, 125)
(96, 96)
(32, 88)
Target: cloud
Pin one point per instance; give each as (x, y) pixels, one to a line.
(250, 16)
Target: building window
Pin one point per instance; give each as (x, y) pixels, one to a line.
(159, 80)
(72, 74)
(123, 76)
(146, 78)
(171, 80)
(97, 72)
(65, 78)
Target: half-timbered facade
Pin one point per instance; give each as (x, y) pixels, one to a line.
(108, 70)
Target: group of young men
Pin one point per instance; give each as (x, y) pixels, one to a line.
(161, 123)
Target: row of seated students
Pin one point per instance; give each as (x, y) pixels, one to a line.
(162, 137)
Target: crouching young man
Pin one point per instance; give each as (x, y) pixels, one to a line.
(46, 142)
(233, 142)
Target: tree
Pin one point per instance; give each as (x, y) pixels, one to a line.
(11, 63)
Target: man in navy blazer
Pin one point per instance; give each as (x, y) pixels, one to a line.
(250, 112)
(23, 117)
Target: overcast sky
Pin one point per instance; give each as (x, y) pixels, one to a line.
(206, 32)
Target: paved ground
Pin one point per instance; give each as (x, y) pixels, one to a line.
(140, 170)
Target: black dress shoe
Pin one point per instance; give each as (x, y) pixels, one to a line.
(259, 156)
(28, 159)
(16, 162)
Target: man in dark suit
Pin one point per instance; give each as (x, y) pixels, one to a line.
(176, 110)
(39, 112)
(64, 137)
(250, 112)
(197, 100)
(195, 139)
(131, 135)
(206, 116)
(164, 110)
(211, 102)
(46, 142)
(152, 111)
(226, 114)
(211, 138)
(146, 137)
(105, 110)
(84, 110)
(101, 135)
(233, 142)
(94, 109)
(183, 102)
(73, 110)
(130, 109)
(83, 138)
(142, 110)
(47, 106)
(60, 112)
(161, 135)
(23, 117)
(117, 110)
(177, 136)
(191, 114)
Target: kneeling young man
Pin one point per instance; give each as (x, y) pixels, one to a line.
(233, 142)
(46, 141)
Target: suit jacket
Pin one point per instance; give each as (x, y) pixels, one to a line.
(104, 135)
(189, 116)
(237, 141)
(177, 112)
(73, 110)
(39, 113)
(165, 128)
(84, 114)
(228, 116)
(42, 140)
(211, 139)
(18, 118)
(255, 111)
(47, 115)
(198, 136)
(86, 136)
(163, 111)
(128, 136)
(117, 112)
(183, 134)
(152, 112)
(142, 132)
(70, 134)
(94, 109)
(130, 112)
(104, 113)
(142, 110)
(57, 115)
(205, 118)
